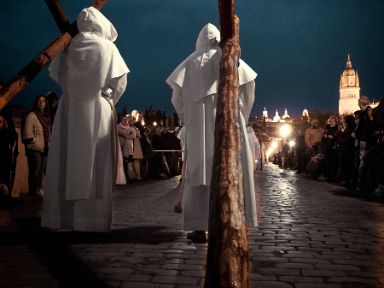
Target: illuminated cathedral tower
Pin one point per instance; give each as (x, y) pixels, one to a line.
(349, 89)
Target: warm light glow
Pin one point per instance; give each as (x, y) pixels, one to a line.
(292, 143)
(155, 123)
(142, 122)
(285, 130)
(274, 145)
(135, 114)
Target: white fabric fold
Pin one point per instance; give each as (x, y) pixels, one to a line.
(194, 86)
(89, 70)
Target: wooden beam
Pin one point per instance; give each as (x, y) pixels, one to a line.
(58, 14)
(21, 80)
(228, 256)
(227, 20)
(99, 4)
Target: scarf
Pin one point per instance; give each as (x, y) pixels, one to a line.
(126, 128)
(45, 121)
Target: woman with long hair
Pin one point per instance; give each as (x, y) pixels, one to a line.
(37, 131)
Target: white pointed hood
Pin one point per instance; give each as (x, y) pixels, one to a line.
(208, 37)
(92, 20)
(200, 71)
(92, 58)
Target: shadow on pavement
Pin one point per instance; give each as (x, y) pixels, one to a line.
(353, 194)
(54, 254)
(52, 249)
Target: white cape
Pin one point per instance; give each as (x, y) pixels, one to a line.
(195, 83)
(80, 169)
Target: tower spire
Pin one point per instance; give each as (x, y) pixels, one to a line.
(349, 62)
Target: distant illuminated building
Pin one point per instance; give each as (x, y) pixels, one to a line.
(286, 115)
(305, 115)
(374, 104)
(276, 118)
(265, 113)
(349, 90)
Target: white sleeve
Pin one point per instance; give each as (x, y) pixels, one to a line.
(177, 101)
(247, 97)
(118, 86)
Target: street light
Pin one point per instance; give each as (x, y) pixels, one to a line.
(292, 143)
(274, 145)
(285, 131)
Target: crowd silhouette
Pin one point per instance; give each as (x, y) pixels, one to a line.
(348, 150)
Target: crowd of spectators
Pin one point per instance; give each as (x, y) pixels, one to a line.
(148, 152)
(348, 150)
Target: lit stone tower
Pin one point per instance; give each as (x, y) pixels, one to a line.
(349, 89)
(265, 113)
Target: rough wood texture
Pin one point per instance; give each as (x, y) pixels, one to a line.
(227, 258)
(21, 80)
(58, 14)
(25, 76)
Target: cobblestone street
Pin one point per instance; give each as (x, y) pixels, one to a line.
(310, 234)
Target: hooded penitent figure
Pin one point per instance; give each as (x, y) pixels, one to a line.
(195, 84)
(81, 160)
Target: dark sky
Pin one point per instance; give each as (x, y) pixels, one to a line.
(297, 47)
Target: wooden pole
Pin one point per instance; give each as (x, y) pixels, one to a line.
(58, 14)
(29, 72)
(227, 257)
(21, 80)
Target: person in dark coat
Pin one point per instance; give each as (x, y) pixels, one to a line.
(5, 157)
(158, 164)
(328, 145)
(345, 146)
(372, 170)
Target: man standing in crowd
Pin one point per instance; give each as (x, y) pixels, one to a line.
(364, 130)
(312, 138)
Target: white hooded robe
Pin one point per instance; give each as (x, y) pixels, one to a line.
(194, 86)
(80, 169)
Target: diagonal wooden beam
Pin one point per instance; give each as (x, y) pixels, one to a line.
(21, 80)
(227, 256)
(58, 14)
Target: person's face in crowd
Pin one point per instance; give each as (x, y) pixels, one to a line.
(369, 111)
(363, 103)
(54, 105)
(131, 120)
(332, 122)
(41, 103)
(159, 130)
(124, 120)
(2, 122)
(165, 130)
(315, 124)
(343, 125)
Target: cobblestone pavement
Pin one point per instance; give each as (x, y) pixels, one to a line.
(311, 234)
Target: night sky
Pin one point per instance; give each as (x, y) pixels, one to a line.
(297, 47)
